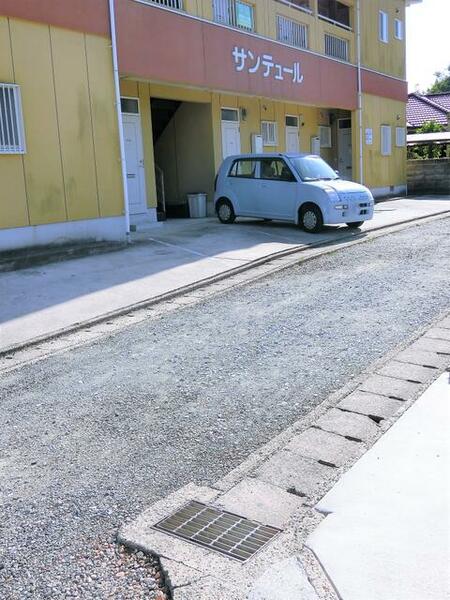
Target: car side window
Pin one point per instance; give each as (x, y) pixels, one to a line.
(276, 169)
(243, 168)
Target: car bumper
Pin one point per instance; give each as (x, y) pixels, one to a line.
(349, 213)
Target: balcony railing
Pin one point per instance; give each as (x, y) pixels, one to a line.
(335, 12)
(175, 4)
(336, 47)
(300, 4)
(234, 13)
(291, 32)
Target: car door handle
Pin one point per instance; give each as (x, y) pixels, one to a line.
(264, 185)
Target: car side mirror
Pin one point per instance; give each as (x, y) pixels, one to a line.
(337, 172)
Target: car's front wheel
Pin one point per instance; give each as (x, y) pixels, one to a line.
(355, 225)
(225, 212)
(311, 219)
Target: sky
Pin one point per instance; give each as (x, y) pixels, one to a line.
(427, 42)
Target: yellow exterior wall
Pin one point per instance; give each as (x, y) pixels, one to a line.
(67, 172)
(382, 171)
(13, 201)
(387, 58)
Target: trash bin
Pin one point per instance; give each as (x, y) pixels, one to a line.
(197, 205)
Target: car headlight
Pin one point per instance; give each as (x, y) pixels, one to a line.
(332, 194)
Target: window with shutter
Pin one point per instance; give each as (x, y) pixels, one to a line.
(398, 29)
(383, 27)
(386, 140)
(12, 139)
(325, 136)
(400, 137)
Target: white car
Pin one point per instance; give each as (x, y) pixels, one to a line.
(301, 188)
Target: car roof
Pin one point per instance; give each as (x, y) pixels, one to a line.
(271, 155)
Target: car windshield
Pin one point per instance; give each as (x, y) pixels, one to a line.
(313, 168)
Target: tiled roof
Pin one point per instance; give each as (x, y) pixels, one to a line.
(431, 107)
(443, 99)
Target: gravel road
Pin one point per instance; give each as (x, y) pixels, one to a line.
(91, 437)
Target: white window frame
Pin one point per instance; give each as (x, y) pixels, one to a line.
(269, 140)
(386, 140)
(325, 136)
(130, 98)
(232, 109)
(11, 111)
(292, 117)
(398, 29)
(383, 27)
(400, 137)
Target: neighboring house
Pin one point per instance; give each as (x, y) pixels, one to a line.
(199, 80)
(423, 108)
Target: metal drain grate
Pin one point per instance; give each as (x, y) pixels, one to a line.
(218, 530)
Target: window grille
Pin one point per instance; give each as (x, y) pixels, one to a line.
(386, 140)
(12, 139)
(269, 133)
(177, 4)
(292, 32)
(234, 13)
(336, 47)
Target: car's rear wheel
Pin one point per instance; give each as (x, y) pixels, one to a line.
(225, 212)
(311, 219)
(355, 225)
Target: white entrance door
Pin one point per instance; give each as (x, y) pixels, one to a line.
(292, 141)
(292, 133)
(345, 148)
(134, 158)
(231, 139)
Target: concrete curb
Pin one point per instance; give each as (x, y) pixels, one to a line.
(250, 266)
(280, 484)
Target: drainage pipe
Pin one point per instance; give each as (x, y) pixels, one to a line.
(360, 99)
(112, 21)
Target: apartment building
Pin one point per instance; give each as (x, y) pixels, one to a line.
(199, 80)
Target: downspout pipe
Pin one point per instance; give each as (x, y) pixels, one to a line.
(112, 21)
(360, 99)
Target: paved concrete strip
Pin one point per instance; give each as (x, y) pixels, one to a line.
(388, 534)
